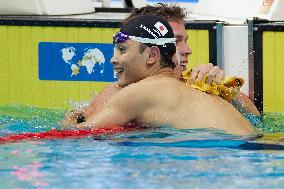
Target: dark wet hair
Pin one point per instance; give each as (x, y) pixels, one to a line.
(169, 12)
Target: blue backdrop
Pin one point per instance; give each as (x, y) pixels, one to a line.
(75, 61)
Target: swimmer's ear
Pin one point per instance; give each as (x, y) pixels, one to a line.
(154, 55)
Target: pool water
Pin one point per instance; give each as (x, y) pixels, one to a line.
(152, 158)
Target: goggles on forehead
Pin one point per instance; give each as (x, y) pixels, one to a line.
(122, 36)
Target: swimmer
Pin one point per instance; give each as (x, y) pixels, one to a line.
(150, 94)
(175, 16)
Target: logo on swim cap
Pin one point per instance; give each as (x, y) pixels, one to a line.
(148, 30)
(161, 28)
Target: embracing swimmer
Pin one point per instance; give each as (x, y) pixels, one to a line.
(150, 94)
(175, 16)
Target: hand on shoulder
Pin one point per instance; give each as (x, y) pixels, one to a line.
(207, 71)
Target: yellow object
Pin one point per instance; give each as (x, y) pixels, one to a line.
(199, 43)
(273, 68)
(226, 89)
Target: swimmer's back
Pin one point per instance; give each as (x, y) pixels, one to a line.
(181, 106)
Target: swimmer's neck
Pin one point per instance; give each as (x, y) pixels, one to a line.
(164, 72)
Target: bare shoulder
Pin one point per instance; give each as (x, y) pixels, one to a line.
(100, 100)
(159, 82)
(154, 89)
(109, 90)
(146, 87)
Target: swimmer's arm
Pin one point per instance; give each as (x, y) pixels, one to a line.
(119, 110)
(108, 117)
(214, 74)
(101, 99)
(244, 105)
(71, 118)
(96, 104)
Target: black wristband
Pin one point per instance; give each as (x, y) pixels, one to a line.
(81, 118)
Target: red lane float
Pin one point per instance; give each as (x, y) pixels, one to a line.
(68, 134)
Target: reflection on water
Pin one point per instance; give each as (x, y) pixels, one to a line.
(153, 158)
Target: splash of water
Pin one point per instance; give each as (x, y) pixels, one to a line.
(271, 122)
(20, 118)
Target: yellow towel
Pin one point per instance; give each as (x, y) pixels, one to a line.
(226, 89)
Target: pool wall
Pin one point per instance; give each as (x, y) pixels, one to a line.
(269, 65)
(19, 52)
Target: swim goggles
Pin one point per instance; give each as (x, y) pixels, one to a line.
(122, 36)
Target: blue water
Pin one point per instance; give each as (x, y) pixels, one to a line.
(153, 158)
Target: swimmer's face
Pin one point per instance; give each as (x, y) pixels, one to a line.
(183, 49)
(129, 63)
